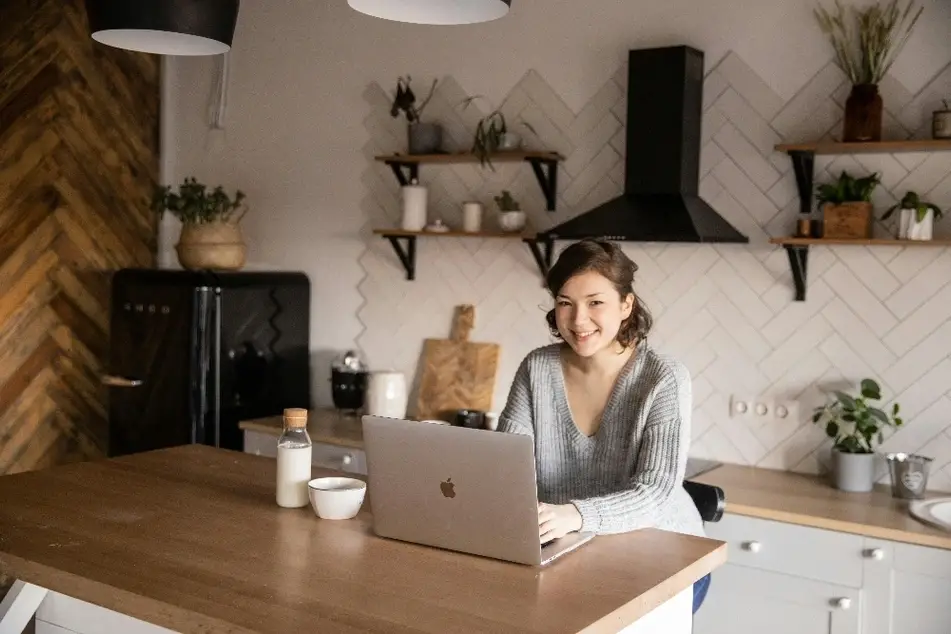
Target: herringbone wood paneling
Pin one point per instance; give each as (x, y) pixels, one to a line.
(78, 157)
(725, 310)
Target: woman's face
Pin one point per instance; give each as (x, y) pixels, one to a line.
(589, 312)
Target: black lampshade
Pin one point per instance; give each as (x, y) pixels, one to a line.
(434, 11)
(165, 27)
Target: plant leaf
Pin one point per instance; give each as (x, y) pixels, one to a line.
(870, 389)
(845, 399)
(832, 429)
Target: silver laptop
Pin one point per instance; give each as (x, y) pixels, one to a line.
(468, 490)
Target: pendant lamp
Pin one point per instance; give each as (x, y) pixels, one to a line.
(434, 11)
(164, 27)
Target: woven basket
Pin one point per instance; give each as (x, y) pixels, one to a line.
(212, 245)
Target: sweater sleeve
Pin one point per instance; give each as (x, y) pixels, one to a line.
(516, 417)
(660, 465)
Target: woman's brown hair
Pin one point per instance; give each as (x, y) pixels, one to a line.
(607, 259)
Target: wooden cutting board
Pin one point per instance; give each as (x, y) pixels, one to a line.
(456, 373)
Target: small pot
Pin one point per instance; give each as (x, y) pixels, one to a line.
(211, 245)
(424, 138)
(941, 124)
(853, 472)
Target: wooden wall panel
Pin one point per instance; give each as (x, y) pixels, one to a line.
(78, 158)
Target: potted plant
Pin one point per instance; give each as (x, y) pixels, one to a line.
(854, 425)
(492, 134)
(916, 221)
(941, 122)
(422, 137)
(511, 216)
(846, 206)
(211, 235)
(866, 43)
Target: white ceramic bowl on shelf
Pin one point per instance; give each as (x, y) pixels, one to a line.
(336, 498)
(512, 220)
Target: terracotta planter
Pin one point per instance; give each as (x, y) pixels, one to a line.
(211, 245)
(863, 114)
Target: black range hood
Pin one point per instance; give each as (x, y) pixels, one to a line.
(660, 202)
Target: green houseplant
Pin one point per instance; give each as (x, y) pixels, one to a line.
(866, 42)
(492, 134)
(846, 206)
(422, 137)
(916, 221)
(511, 216)
(854, 423)
(211, 234)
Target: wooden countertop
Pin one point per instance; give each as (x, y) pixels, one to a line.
(190, 538)
(327, 426)
(808, 500)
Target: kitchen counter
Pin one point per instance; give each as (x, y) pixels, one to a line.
(190, 538)
(808, 500)
(327, 426)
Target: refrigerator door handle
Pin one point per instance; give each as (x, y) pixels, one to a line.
(119, 381)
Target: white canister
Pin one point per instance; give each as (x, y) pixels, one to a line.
(415, 200)
(386, 394)
(471, 217)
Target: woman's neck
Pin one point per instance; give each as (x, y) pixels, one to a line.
(606, 362)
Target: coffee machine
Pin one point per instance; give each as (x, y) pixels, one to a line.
(348, 382)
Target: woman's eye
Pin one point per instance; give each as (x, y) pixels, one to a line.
(563, 303)
(596, 302)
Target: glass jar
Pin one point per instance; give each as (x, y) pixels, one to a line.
(294, 453)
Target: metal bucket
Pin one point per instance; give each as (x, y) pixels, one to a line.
(909, 473)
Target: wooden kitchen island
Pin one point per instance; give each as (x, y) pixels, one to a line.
(190, 539)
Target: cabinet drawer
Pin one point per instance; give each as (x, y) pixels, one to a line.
(803, 551)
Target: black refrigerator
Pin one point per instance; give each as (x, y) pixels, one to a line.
(194, 353)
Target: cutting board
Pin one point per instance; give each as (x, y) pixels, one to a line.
(456, 373)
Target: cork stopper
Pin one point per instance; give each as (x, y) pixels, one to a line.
(295, 417)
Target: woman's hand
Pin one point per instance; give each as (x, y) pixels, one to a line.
(557, 520)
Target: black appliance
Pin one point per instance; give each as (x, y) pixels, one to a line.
(194, 353)
(660, 202)
(348, 382)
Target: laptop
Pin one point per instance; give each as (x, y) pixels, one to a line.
(461, 489)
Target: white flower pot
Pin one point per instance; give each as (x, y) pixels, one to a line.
(920, 230)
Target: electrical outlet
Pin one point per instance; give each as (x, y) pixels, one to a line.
(762, 409)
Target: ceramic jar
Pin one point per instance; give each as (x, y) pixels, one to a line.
(386, 394)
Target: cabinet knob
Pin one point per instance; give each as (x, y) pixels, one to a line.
(753, 547)
(347, 459)
(843, 603)
(875, 553)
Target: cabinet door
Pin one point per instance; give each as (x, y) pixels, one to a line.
(908, 588)
(744, 600)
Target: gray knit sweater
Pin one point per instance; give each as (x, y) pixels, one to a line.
(630, 473)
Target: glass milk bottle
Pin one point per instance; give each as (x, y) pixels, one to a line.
(293, 460)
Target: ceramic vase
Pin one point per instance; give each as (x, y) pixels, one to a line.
(863, 114)
(853, 472)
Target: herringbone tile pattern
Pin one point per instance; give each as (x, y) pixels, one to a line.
(78, 156)
(725, 310)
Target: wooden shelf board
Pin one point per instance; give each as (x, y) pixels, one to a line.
(907, 145)
(468, 157)
(453, 234)
(885, 242)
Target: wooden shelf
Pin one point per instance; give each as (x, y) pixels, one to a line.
(885, 242)
(469, 157)
(541, 248)
(798, 251)
(897, 146)
(545, 165)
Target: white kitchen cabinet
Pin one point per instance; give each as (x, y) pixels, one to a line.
(784, 577)
(744, 600)
(324, 455)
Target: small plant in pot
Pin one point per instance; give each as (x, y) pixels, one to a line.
(422, 137)
(916, 219)
(847, 206)
(511, 216)
(866, 42)
(211, 235)
(492, 134)
(855, 424)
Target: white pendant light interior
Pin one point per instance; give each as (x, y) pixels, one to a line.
(433, 11)
(160, 42)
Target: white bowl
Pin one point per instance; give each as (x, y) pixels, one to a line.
(336, 498)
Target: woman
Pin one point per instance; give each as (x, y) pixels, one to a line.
(610, 417)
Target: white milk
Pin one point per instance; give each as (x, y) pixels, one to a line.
(293, 474)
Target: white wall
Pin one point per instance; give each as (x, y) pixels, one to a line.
(307, 111)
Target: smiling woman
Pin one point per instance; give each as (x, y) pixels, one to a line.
(610, 416)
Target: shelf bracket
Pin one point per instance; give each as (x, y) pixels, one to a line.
(546, 171)
(543, 260)
(804, 167)
(406, 255)
(798, 261)
(412, 171)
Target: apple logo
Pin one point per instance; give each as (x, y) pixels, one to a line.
(448, 488)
